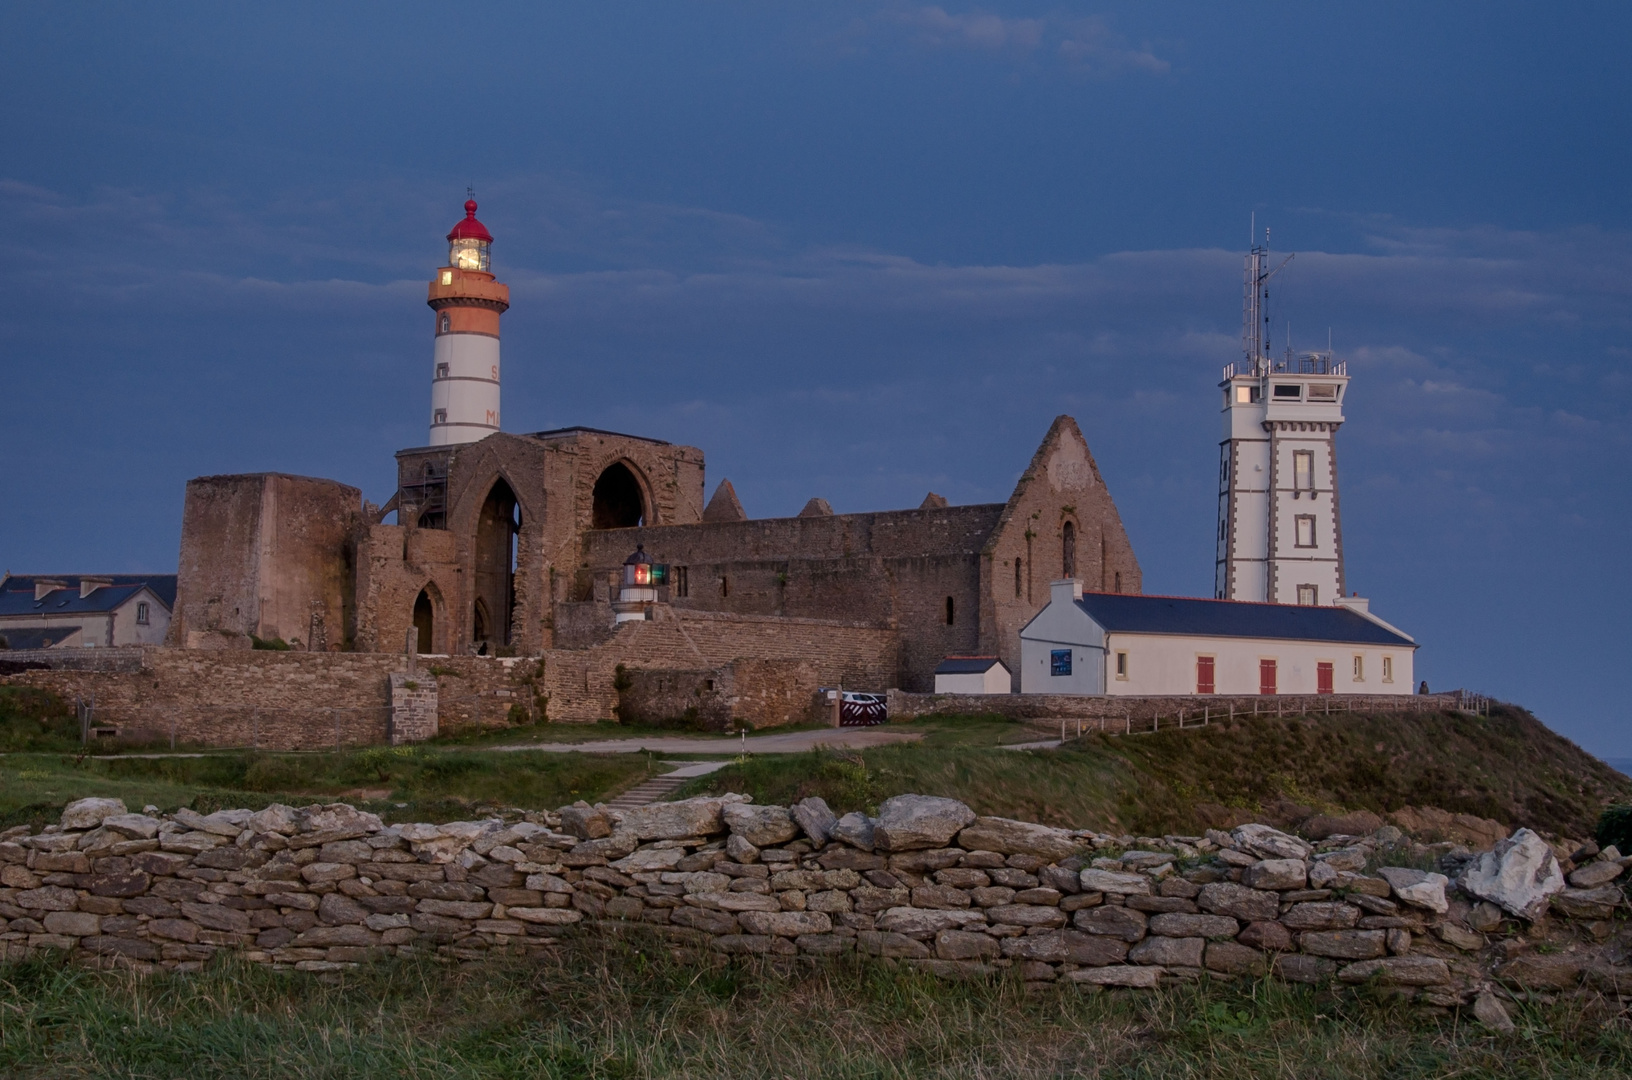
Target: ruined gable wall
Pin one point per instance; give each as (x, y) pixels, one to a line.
(1062, 484)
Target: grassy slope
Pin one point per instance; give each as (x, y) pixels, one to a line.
(618, 1010)
(435, 785)
(1507, 766)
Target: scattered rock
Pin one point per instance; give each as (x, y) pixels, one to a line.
(1268, 843)
(815, 819)
(855, 829)
(1520, 874)
(761, 826)
(1019, 838)
(1489, 1011)
(1600, 903)
(1399, 971)
(1419, 888)
(89, 813)
(914, 822)
(1590, 876)
(1542, 971)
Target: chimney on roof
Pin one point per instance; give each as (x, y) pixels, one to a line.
(88, 585)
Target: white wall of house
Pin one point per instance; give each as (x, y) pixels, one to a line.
(1167, 664)
(1062, 627)
(994, 680)
(129, 628)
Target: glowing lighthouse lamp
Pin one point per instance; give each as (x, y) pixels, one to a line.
(641, 580)
(468, 302)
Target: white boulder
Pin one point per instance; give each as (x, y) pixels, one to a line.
(1519, 875)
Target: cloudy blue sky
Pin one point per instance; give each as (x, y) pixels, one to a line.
(859, 251)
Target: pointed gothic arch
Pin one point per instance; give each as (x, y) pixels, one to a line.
(618, 501)
(498, 527)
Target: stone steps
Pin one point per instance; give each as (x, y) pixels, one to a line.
(647, 792)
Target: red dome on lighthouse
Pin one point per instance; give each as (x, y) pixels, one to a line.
(470, 228)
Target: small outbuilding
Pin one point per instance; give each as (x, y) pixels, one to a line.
(1117, 644)
(973, 675)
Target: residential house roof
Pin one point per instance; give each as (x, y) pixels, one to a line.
(1120, 613)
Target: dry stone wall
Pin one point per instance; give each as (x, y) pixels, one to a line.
(927, 883)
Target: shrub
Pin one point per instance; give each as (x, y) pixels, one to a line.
(1615, 827)
(276, 644)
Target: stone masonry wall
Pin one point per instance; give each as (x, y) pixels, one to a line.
(927, 883)
(303, 701)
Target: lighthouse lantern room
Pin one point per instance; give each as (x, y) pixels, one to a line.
(467, 302)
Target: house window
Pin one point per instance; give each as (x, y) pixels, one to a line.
(441, 416)
(1359, 669)
(443, 371)
(447, 277)
(1306, 530)
(1059, 662)
(1322, 391)
(682, 587)
(1288, 391)
(1068, 560)
(1303, 471)
(1266, 676)
(141, 613)
(1308, 595)
(950, 611)
(444, 324)
(1246, 395)
(1121, 665)
(1018, 570)
(1323, 677)
(1204, 675)
(1388, 669)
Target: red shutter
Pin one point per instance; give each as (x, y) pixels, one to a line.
(1266, 676)
(1323, 677)
(1204, 675)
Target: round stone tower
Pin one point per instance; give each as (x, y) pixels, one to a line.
(467, 302)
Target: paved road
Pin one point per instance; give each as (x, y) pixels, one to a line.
(793, 742)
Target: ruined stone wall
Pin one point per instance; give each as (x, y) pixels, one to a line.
(261, 554)
(745, 693)
(303, 701)
(888, 569)
(927, 884)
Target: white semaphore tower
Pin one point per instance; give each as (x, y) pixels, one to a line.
(467, 301)
(1280, 534)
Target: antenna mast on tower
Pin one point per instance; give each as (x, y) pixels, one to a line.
(1255, 306)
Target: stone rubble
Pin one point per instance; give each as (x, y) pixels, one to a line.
(927, 883)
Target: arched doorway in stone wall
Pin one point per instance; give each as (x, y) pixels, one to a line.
(618, 502)
(424, 623)
(497, 528)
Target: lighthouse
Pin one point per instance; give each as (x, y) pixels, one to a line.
(467, 301)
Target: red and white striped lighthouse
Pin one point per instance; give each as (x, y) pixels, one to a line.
(467, 302)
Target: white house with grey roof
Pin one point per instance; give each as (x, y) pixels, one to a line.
(1118, 644)
(60, 611)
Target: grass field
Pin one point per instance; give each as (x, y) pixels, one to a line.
(1506, 766)
(618, 1010)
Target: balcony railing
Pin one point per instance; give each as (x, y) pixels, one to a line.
(1306, 364)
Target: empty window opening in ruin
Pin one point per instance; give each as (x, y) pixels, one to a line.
(725, 586)
(1118, 582)
(424, 623)
(618, 503)
(1068, 542)
(497, 531)
(681, 584)
(951, 612)
(1019, 582)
